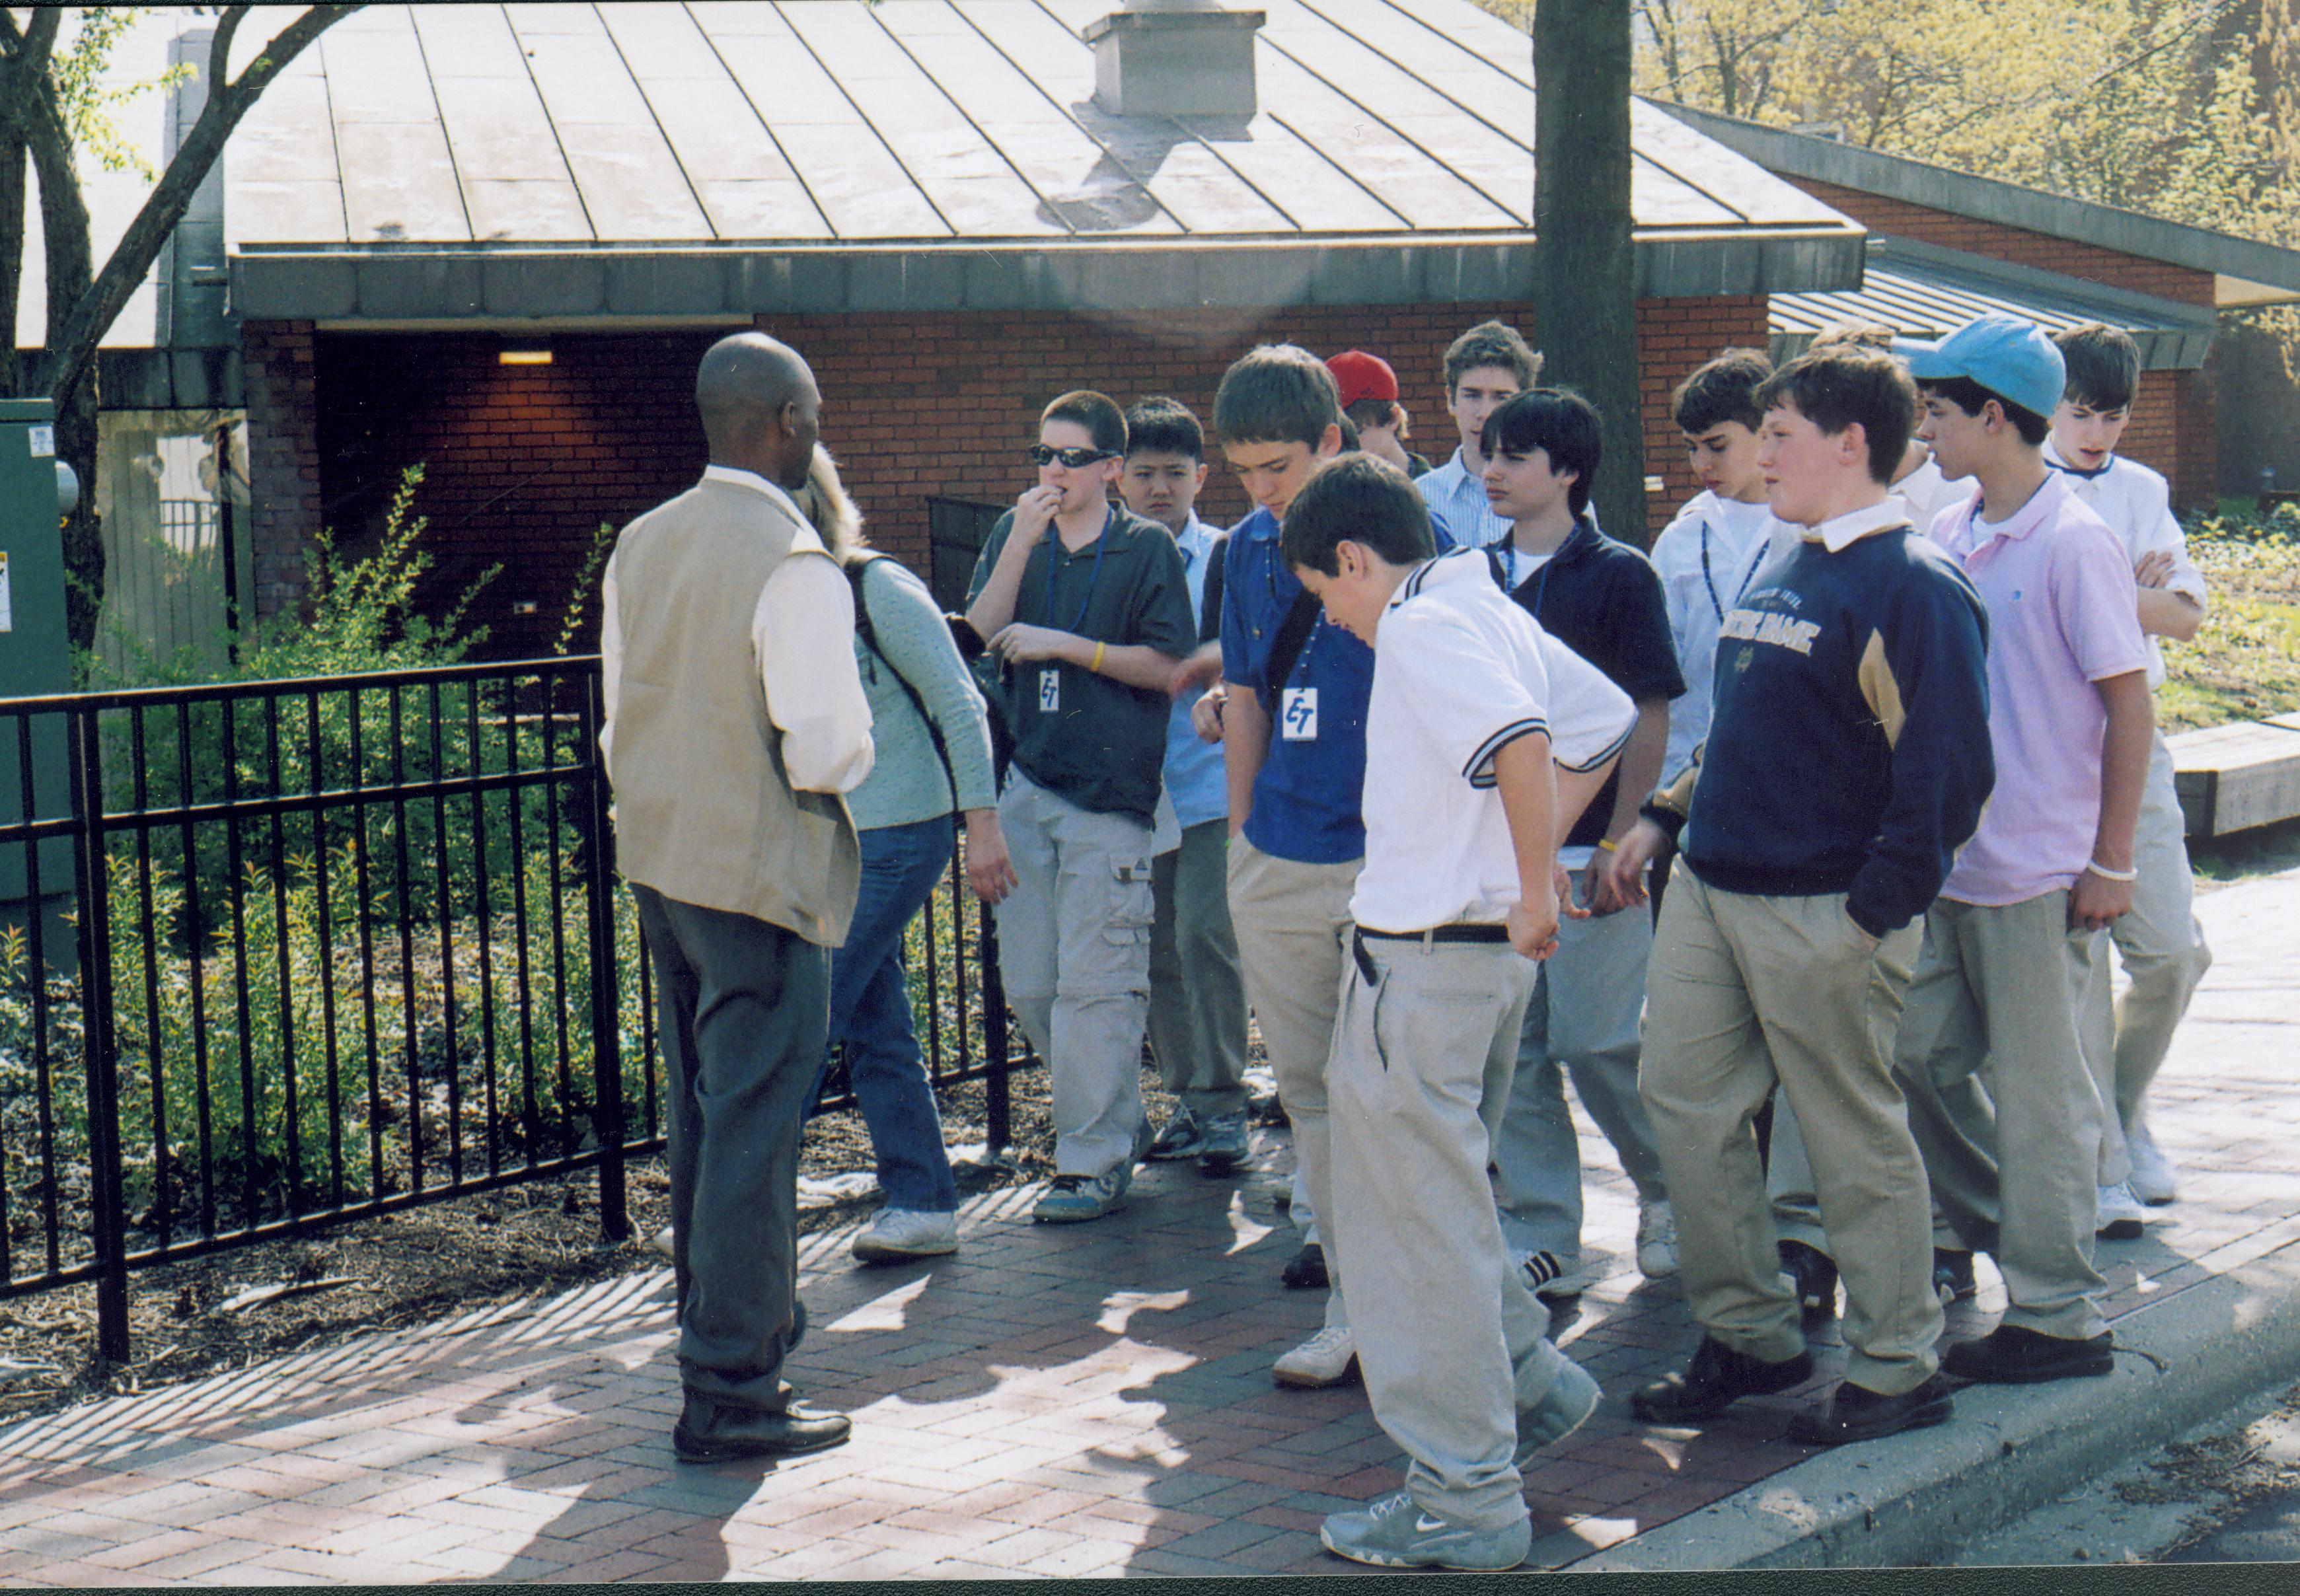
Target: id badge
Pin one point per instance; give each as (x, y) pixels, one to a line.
(1299, 715)
(1050, 692)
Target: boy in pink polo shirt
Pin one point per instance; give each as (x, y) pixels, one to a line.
(2010, 942)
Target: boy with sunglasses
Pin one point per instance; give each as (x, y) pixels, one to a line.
(1089, 606)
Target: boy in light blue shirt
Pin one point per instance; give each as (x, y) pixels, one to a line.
(1486, 367)
(1197, 995)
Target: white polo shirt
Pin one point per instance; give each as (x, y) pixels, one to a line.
(1461, 670)
(2137, 503)
(1929, 495)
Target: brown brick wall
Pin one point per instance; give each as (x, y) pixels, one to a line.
(283, 457)
(522, 463)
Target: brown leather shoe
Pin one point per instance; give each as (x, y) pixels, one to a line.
(708, 1432)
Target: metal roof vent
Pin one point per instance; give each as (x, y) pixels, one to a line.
(1175, 58)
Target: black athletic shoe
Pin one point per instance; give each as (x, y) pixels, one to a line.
(1306, 1269)
(1953, 1276)
(1856, 1413)
(1816, 1275)
(2013, 1355)
(1717, 1378)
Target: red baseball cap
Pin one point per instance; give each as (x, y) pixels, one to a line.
(1363, 375)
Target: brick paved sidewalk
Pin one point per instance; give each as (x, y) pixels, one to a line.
(1073, 1400)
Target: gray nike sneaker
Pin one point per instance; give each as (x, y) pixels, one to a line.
(1393, 1532)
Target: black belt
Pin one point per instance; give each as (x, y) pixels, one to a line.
(1435, 934)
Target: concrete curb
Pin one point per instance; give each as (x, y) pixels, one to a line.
(1915, 1499)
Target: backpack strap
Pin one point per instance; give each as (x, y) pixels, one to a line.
(1286, 649)
(868, 631)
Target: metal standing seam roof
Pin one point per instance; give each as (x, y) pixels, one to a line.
(477, 130)
(1925, 291)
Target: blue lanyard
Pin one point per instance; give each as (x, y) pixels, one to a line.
(1541, 587)
(1748, 575)
(1055, 554)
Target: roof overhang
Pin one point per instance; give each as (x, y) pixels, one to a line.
(1924, 291)
(2246, 272)
(383, 285)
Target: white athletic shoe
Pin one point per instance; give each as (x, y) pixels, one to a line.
(1330, 1358)
(2153, 1179)
(2120, 1216)
(1657, 1239)
(1567, 1405)
(1552, 1278)
(897, 1232)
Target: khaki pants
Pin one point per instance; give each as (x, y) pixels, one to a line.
(1292, 924)
(1746, 989)
(2163, 951)
(1788, 1168)
(1452, 1341)
(1994, 1002)
(1198, 996)
(1074, 948)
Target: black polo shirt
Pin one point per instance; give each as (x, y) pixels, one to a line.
(1602, 600)
(1087, 737)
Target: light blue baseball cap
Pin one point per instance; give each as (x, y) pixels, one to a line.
(2002, 354)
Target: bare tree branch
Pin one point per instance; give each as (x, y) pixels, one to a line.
(71, 344)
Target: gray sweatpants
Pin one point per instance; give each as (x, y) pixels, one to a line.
(1994, 1002)
(744, 1010)
(1451, 1340)
(1197, 995)
(1583, 1017)
(1074, 948)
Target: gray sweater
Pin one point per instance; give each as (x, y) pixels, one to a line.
(908, 783)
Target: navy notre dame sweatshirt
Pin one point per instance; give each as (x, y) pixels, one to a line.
(1849, 749)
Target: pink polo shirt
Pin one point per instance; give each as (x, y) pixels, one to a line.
(2061, 617)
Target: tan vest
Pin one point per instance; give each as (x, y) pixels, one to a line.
(704, 812)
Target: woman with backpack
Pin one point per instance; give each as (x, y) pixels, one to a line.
(934, 761)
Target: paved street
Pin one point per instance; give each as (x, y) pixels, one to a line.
(1089, 1400)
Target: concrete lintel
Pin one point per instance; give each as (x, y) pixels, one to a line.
(350, 287)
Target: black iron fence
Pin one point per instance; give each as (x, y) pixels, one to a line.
(278, 955)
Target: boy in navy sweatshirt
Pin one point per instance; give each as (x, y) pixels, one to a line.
(1848, 759)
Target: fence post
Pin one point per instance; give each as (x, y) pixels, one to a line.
(998, 1104)
(91, 878)
(606, 1007)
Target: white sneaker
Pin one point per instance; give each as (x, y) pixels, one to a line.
(1552, 1278)
(2153, 1179)
(1567, 1405)
(1657, 1239)
(1330, 1358)
(907, 1233)
(661, 1241)
(2119, 1216)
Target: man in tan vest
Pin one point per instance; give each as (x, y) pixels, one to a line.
(734, 719)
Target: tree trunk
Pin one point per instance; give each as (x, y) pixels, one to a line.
(1584, 261)
(65, 236)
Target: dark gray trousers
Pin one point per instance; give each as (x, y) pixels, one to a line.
(744, 1010)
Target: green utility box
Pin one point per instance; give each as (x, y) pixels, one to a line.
(35, 660)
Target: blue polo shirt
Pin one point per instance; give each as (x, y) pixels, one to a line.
(1308, 799)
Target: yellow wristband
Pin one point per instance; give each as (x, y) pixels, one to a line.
(1609, 844)
(1096, 666)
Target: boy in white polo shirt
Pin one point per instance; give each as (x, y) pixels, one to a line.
(2162, 946)
(1471, 729)
(2011, 941)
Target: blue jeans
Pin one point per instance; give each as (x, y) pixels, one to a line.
(870, 1013)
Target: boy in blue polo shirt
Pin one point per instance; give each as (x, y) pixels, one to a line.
(1602, 600)
(1294, 748)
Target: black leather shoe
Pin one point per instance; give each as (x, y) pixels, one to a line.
(1816, 1275)
(2015, 1355)
(708, 1432)
(1717, 1378)
(1306, 1269)
(1952, 1276)
(1856, 1413)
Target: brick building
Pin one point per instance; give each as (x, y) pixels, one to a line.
(935, 201)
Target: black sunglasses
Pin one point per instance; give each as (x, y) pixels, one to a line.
(1073, 458)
